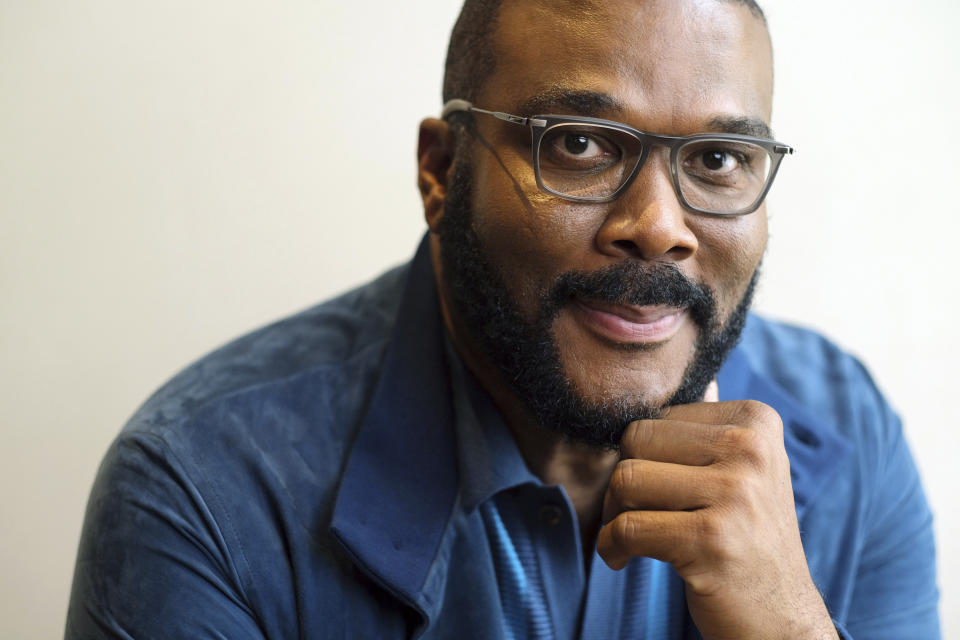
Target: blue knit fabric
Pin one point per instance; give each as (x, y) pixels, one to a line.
(645, 600)
(518, 578)
(305, 482)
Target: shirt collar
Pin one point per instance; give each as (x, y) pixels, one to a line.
(399, 486)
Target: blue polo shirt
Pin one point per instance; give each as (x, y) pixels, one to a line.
(316, 479)
(546, 588)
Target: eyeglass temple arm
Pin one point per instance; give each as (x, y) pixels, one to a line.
(457, 104)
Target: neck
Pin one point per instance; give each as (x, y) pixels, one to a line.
(583, 471)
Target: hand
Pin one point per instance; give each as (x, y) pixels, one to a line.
(707, 489)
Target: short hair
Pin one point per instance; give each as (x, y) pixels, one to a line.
(470, 56)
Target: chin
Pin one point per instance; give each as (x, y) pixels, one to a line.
(604, 372)
(652, 392)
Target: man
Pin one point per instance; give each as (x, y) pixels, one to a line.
(542, 427)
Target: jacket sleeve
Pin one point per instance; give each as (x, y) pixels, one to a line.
(152, 561)
(895, 594)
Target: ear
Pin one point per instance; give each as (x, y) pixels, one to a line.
(434, 164)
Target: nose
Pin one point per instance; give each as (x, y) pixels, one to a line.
(647, 221)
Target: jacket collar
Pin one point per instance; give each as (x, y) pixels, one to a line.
(400, 484)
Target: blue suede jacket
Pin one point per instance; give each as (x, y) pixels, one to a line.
(303, 482)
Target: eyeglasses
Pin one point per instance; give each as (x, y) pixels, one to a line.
(593, 160)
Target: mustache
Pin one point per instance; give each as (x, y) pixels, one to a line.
(633, 283)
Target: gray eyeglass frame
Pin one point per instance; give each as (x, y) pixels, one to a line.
(540, 124)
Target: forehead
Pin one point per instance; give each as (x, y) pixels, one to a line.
(673, 65)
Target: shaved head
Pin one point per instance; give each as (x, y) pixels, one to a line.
(471, 57)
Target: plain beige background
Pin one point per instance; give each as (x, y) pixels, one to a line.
(175, 173)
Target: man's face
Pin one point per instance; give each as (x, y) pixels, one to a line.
(630, 305)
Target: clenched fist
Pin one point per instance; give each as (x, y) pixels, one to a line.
(707, 488)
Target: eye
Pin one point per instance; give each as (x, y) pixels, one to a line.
(717, 160)
(579, 144)
(724, 163)
(578, 149)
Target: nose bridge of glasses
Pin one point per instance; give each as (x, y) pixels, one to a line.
(654, 177)
(647, 218)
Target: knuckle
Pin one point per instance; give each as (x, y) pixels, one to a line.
(622, 476)
(739, 493)
(625, 478)
(638, 438)
(740, 439)
(734, 487)
(623, 530)
(708, 528)
(748, 445)
(712, 533)
(754, 412)
(703, 583)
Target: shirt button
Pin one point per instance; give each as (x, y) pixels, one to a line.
(550, 515)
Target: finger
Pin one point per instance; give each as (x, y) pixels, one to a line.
(712, 393)
(742, 413)
(667, 536)
(675, 441)
(656, 486)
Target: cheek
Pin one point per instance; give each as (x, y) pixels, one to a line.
(730, 251)
(531, 237)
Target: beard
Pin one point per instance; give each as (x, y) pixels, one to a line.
(526, 353)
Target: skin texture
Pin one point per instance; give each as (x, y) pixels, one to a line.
(706, 487)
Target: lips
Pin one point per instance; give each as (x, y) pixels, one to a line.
(630, 324)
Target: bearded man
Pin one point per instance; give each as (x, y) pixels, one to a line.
(560, 420)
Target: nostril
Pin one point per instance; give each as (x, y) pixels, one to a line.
(627, 246)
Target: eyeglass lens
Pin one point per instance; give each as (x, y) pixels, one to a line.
(593, 161)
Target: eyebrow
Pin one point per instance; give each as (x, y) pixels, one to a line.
(584, 102)
(581, 101)
(744, 126)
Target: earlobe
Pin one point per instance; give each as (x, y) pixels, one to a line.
(434, 160)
